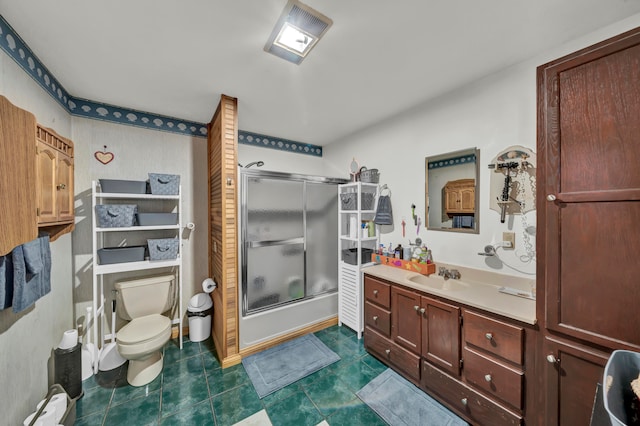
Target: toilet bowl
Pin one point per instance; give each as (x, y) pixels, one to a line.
(142, 302)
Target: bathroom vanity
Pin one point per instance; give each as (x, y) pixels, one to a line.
(462, 341)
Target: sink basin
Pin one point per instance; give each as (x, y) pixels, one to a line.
(438, 282)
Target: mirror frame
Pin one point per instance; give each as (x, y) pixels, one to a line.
(448, 155)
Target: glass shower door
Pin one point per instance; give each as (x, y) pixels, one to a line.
(321, 238)
(273, 270)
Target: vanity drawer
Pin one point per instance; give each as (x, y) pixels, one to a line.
(496, 337)
(404, 360)
(496, 379)
(377, 318)
(479, 409)
(377, 292)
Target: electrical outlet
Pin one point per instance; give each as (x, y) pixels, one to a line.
(509, 237)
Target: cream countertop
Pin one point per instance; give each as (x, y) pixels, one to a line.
(475, 288)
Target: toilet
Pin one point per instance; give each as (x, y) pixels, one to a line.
(142, 302)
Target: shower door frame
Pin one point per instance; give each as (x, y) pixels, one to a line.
(245, 174)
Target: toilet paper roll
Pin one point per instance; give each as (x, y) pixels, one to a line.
(353, 227)
(57, 403)
(69, 339)
(208, 285)
(46, 418)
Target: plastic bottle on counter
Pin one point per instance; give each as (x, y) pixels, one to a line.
(399, 252)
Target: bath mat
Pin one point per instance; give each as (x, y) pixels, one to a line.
(399, 402)
(277, 367)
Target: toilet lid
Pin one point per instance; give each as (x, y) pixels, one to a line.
(143, 328)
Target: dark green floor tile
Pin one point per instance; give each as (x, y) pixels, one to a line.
(346, 348)
(183, 393)
(355, 375)
(305, 381)
(329, 393)
(94, 419)
(207, 345)
(139, 411)
(296, 410)
(283, 393)
(94, 400)
(222, 380)
(357, 413)
(373, 363)
(210, 361)
(172, 352)
(190, 367)
(129, 392)
(90, 383)
(199, 414)
(236, 404)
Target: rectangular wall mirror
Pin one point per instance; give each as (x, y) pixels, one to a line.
(451, 191)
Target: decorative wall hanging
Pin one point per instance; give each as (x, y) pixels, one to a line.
(104, 157)
(513, 181)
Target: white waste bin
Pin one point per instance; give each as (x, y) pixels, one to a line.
(199, 313)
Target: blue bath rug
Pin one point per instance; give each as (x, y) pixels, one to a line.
(277, 367)
(399, 402)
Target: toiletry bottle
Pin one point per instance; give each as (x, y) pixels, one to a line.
(381, 249)
(399, 251)
(391, 252)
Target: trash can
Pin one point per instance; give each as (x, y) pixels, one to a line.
(620, 401)
(199, 313)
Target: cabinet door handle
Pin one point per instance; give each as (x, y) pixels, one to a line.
(464, 401)
(375, 318)
(422, 310)
(551, 197)
(416, 307)
(61, 186)
(489, 336)
(388, 351)
(487, 377)
(552, 359)
(375, 292)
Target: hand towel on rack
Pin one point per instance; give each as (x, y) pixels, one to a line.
(29, 287)
(6, 281)
(384, 214)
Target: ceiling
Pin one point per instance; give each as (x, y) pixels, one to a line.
(378, 59)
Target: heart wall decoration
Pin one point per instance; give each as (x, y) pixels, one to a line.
(104, 157)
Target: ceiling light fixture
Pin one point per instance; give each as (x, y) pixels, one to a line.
(297, 32)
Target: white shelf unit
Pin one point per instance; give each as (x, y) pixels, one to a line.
(350, 275)
(99, 271)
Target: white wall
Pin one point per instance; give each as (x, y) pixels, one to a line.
(27, 339)
(137, 152)
(491, 114)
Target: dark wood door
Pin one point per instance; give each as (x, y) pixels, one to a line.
(588, 218)
(573, 373)
(441, 334)
(405, 318)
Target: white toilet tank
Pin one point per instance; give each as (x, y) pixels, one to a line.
(145, 296)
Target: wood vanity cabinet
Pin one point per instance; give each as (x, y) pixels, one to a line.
(54, 188)
(473, 362)
(460, 196)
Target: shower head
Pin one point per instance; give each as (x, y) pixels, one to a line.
(255, 163)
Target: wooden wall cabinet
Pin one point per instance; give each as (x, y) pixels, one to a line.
(474, 363)
(460, 196)
(54, 187)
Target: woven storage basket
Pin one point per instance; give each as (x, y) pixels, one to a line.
(163, 248)
(164, 184)
(116, 215)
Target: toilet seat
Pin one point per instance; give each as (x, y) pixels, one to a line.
(143, 335)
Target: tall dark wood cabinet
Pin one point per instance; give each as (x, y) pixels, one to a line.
(588, 220)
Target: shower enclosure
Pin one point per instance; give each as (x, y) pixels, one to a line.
(289, 238)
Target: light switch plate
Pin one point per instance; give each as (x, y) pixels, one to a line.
(509, 237)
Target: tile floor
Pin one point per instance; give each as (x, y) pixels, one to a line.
(194, 390)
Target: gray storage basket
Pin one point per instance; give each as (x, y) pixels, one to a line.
(109, 255)
(162, 184)
(123, 186)
(157, 219)
(116, 215)
(163, 248)
(348, 201)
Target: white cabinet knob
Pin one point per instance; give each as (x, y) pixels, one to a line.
(375, 292)
(489, 336)
(416, 307)
(551, 197)
(422, 310)
(487, 377)
(552, 359)
(375, 318)
(388, 351)
(464, 401)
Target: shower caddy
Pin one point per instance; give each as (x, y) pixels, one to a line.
(100, 271)
(357, 200)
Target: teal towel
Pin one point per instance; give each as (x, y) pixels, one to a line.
(384, 215)
(6, 281)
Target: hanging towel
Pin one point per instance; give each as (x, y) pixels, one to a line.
(384, 215)
(27, 286)
(6, 281)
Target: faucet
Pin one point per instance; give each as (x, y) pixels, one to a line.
(446, 273)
